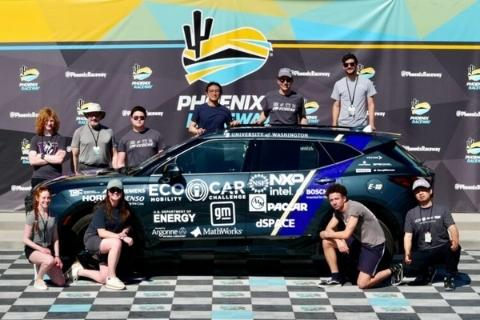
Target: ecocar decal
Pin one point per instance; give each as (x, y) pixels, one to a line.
(302, 219)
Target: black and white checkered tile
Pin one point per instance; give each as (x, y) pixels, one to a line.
(241, 296)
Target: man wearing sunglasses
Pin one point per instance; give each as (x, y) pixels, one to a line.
(354, 105)
(283, 106)
(140, 143)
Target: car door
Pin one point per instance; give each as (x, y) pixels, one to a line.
(201, 199)
(282, 172)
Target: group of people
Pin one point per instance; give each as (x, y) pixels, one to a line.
(431, 238)
(430, 232)
(109, 229)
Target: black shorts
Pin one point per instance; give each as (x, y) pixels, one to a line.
(28, 251)
(368, 257)
(92, 245)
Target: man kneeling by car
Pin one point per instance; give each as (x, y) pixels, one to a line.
(363, 237)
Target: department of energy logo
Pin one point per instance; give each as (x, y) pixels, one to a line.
(139, 75)
(420, 112)
(27, 77)
(366, 72)
(225, 57)
(473, 151)
(473, 78)
(25, 147)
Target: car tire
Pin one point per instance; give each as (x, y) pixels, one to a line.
(78, 230)
(389, 241)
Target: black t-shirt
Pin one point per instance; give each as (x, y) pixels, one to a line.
(100, 221)
(435, 219)
(211, 118)
(48, 145)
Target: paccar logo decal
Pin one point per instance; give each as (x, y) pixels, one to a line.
(224, 57)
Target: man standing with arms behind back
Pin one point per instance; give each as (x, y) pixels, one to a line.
(354, 105)
(140, 143)
(431, 237)
(284, 106)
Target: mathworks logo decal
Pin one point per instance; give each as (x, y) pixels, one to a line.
(225, 57)
(420, 112)
(473, 151)
(27, 77)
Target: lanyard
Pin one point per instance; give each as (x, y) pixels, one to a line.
(428, 222)
(94, 139)
(45, 224)
(354, 90)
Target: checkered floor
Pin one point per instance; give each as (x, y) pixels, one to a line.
(245, 295)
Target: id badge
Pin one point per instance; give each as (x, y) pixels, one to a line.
(428, 237)
(96, 150)
(351, 110)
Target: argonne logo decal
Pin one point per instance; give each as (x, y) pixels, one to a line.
(225, 57)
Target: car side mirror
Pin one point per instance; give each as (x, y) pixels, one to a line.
(171, 171)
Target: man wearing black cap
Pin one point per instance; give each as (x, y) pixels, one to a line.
(431, 237)
(283, 106)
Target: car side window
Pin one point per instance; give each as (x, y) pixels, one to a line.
(340, 151)
(214, 156)
(282, 155)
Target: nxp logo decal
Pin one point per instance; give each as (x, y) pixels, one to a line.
(224, 57)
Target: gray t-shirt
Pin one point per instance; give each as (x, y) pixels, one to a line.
(47, 145)
(360, 89)
(86, 139)
(368, 230)
(139, 146)
(283, 109)
(435, 219)
(44, 235)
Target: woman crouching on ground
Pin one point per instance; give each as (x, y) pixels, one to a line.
(105, 235)
(40, 237)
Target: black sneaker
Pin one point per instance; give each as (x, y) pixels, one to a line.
(331, 282)
(397, 274)
(449, 283)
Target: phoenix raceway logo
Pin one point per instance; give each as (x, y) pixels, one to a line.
(81, 106)
(420, 112)
(473, 151)
(140, 76)
(25, 148)
(473, 75)
(225, 57)
(311, 107)
(366, 72)
(27, 77)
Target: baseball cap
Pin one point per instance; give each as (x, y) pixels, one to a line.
(115, 183)
(421, 183)
(285, 72)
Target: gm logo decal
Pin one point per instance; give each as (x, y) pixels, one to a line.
(225, 57)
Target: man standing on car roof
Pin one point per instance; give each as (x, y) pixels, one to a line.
(362, 237)
(354, 105)
(283, 106)
(431, 237)
(140, 143)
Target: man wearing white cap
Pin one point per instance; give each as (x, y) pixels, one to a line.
(431, 237)
(283, 106)
(93, 145)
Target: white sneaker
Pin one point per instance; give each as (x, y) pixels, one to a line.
(40, 285)
(114, 283)
(73, 271)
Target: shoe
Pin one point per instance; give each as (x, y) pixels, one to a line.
(40, 284)
(72, 273)
(114, 283)
(425, 278)
(449, 283)
(397, 274)
(431, 273)
(330, 283)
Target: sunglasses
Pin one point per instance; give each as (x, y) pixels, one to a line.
(115, 190)
(285, 80)
(94, 114)
(138, 118)
(349, 64)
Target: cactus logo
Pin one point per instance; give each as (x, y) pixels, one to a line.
(473, 151)
(27, 75)
(366, 72)
(473, 78)
(419, 112)
(225, 57)
(25, 150)
(140, 74)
